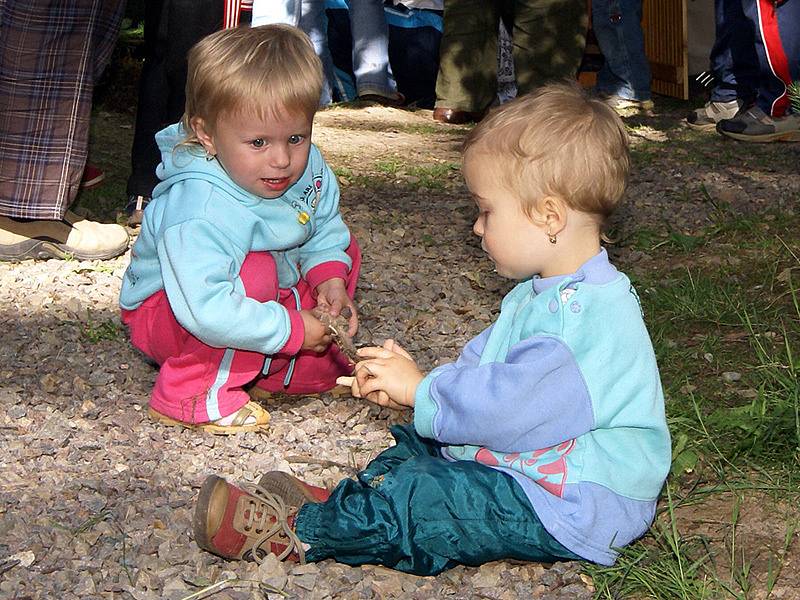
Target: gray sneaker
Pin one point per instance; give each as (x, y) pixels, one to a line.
(754, 125)
(707, 117)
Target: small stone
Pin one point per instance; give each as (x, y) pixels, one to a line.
(306, 569)
(271, 567)
(731, 376)
(175, 584)
(487, 577)
(17, 411)
(353, 575)
(25, 558)
(306, 581)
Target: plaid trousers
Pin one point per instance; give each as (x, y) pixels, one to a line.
(51, 54)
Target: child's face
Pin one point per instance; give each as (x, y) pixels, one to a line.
(517, 246)
(264, 155)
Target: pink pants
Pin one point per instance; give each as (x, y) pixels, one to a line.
(198, 383)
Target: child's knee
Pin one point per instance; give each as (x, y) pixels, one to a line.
(259, 274)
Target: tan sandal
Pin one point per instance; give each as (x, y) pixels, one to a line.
(251, 409)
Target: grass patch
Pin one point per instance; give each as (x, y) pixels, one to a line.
(391, 171)
(725, 323)
(668, 566)
(99, 330)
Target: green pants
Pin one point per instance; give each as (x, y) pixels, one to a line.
(549, 37)
(416, 512)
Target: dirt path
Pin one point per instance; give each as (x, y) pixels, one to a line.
(96, 501)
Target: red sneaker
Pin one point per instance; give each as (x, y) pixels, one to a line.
(245, 524)
(92, 176)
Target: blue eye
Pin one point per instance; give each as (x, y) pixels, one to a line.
(258, 143)
(295, 139)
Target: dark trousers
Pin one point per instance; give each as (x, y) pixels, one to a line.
(733, 57)
(549, 38)
(414, 511)
(172, 27)
(778, 49)
(756, 52)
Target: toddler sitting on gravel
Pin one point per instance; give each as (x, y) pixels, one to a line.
(546, 440)
(242, 239)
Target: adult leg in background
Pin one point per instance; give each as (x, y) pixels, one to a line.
(467, 80)
(171, 28)
(371, 66)
(549, 38)
(617, 24)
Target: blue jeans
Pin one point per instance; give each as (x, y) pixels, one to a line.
(371, 48)
(370, 43)
(617, 25)
(308, 15)
(734, 61)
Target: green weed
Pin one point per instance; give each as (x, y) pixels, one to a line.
(95, 331)
(665, 565)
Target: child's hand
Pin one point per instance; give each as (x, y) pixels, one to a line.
(388, 376)
(332, 293)
(317, 335)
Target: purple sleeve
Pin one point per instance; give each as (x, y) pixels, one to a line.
(537, 398)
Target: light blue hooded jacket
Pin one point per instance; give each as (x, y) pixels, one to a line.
(199, 228)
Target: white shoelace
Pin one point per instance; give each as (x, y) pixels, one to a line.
(272, 504)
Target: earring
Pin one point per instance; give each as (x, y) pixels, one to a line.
(209, 156)
(551, 238)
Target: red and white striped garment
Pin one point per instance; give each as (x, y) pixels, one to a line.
(233, 10)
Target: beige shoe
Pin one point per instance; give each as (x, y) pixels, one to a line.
(250, 417)
(627, 107)
(73, 236)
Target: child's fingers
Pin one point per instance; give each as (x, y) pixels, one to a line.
(371, 385)
(362, 374)
(393, 346)
(382, 399)
(335, 307)
(398, 349)
(353, 323)
(352, 383)
(374, 352)
(379, 398)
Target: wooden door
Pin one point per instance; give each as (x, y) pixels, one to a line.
(664, 24)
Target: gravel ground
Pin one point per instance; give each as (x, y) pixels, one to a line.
(96, 501)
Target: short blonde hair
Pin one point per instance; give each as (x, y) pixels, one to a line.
(556, 142)
(262, 69)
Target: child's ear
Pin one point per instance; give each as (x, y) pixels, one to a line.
(551, 212)
(198, 124)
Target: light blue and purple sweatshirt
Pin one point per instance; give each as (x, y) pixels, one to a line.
(199, 228)
(563, 394)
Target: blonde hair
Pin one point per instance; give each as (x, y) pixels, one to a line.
(557, 142)
(262, 69)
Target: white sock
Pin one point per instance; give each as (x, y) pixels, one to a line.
(228, 420)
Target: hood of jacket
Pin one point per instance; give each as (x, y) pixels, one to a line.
(181, 162)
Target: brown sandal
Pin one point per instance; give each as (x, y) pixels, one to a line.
(251, 409)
